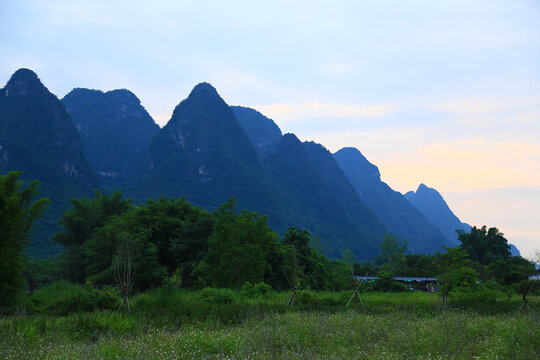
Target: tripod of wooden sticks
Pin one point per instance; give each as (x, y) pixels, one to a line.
(293, 283)
(356, 293)
(525, 303)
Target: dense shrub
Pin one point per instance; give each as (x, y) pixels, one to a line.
(479, 298)
(255, 290)
(61, 298)
(386, 283)
(306, 298)
(216, 296)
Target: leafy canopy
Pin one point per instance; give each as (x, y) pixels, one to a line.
(18, 214)
(237, 249)
(483, 245)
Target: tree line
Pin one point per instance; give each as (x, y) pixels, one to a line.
(170, 241)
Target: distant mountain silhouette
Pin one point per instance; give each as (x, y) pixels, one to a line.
(395, 212)
(262, 131)
(514, 250)
(115, 131)
(436, 210)
(38, 137)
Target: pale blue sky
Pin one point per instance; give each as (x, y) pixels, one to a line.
(441, 92)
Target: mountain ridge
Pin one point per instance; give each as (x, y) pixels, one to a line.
(395, 212)
(208, 152)
(38, 137)
(433, 206)
(115, 132)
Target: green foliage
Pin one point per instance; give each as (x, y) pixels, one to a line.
(237, 249)
(528, 287)
(41, 272)
(167, 235)
(419, 265)
(453, 270)
(214, 323)
(480, 298)
(483, 245)
(511, 270)
(386, 283)
(62, 298)
(290, 335)
(464, 277)
(174, 280)
(216, 296)
(80, 222)
(18, 213)
(178, 230)
(310, 269)
(145, 260)
(255, 290)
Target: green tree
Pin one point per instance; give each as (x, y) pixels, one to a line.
(313, 270)
(484, 245)
(511, 271)
(385, 282)
(178, 229)
(81, 221)
(453, 270)
(168, 235)
(18, 214)
(392, 256)
(101, 247)
(419, 265)
(238, 248)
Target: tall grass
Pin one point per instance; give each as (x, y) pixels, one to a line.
(297, 335)
(68, 321)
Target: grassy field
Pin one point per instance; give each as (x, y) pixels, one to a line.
(168, 324)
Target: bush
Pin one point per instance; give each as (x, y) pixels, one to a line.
(62, 298)
(479, 298)
(216, 296)
(255, 290)
(386, 283)
(174, 281)
(306, 298)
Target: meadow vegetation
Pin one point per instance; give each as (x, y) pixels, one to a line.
(65, 321)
